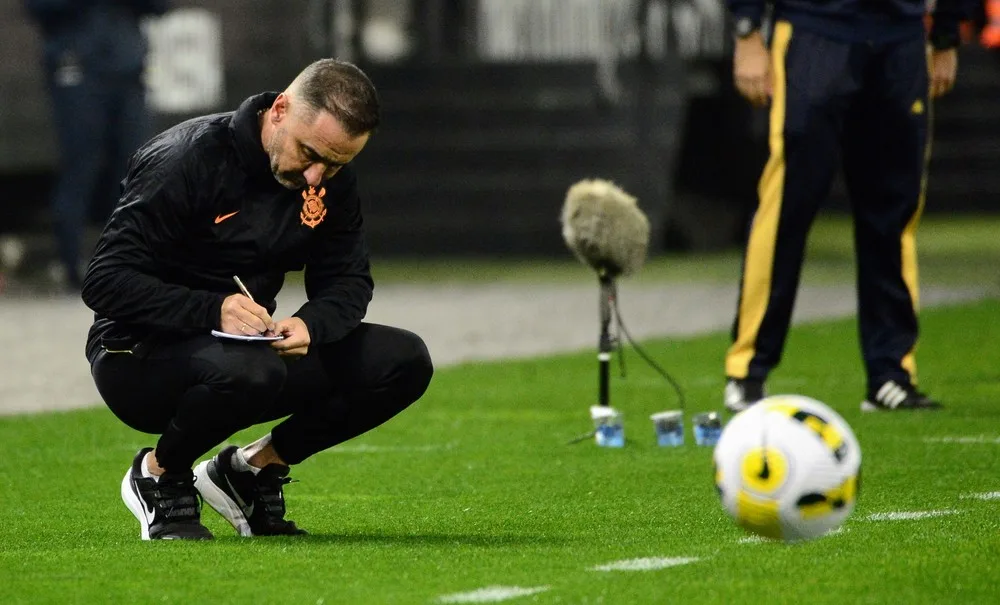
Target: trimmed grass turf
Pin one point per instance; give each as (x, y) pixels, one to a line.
(475, 486)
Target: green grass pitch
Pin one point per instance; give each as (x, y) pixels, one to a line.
(475, 486)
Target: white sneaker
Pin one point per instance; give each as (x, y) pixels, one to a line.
(742, 393)
(167, 509)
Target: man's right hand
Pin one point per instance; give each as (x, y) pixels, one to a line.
(752, 69)
(240, 315)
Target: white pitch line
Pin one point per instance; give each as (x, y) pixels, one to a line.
(965, 440)
(982, 496)
(491, 594)
(913, 515)
(388, 449)
(645, 564)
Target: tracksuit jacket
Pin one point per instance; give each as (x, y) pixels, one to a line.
(864, 20)
(199, 205)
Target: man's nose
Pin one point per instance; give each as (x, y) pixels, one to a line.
(314, 174)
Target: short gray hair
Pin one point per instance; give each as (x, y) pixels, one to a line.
(342, 89)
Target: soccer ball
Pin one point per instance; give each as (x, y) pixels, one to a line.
(788, 468)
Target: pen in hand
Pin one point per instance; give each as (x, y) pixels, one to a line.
(245, 292)
(243, 288)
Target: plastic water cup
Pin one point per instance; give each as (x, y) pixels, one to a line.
(669, 428)
(707, 428)
(609, 431)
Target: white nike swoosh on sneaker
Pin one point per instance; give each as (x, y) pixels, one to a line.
(148, 510)
(247, 510)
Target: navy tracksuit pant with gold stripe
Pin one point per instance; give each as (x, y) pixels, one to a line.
(866, 107)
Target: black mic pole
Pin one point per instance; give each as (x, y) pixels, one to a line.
(604, 344)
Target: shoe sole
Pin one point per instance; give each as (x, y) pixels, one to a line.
(867, 406)
(135, 505)
(217, 498)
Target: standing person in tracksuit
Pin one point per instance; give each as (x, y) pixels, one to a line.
(244, 197)
(848, 81)
(94, 57)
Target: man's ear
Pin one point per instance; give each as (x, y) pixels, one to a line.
(279, 109)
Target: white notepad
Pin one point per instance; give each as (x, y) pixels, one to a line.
(256, 337)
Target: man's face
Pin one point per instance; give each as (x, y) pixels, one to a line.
(305, 149)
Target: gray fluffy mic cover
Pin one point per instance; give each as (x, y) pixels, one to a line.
(604, 227)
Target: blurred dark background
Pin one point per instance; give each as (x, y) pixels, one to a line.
(492, 109)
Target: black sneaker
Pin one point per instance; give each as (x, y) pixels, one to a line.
(253, 504)
(168, 509)
(742, 393)
(894, 395)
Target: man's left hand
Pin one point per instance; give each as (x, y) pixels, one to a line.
(296, 341)
(944, 67)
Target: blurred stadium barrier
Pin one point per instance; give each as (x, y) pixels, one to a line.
(552, 30)
(185, 73)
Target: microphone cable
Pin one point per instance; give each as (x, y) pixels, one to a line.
(616, 309)
(619, 326)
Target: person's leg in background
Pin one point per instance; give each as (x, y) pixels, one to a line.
(78, 103)
(336, 392)
(813, 81)
(129, 126)
(887, 147)
(193, 393)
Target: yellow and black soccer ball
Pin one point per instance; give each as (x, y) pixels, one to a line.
(788, 468)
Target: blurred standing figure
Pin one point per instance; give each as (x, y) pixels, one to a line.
(94, 55)
(850, 81)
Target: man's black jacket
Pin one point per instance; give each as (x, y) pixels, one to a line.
(199, 204)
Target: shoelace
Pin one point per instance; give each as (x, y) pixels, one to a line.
(177, 498)
(269, 490)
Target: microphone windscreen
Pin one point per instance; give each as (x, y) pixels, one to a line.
(604, 227)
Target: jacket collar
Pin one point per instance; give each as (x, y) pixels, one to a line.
(245, 126)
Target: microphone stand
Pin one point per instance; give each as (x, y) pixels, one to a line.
(604, 344)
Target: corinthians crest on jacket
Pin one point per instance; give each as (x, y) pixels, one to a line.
(313, 208)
